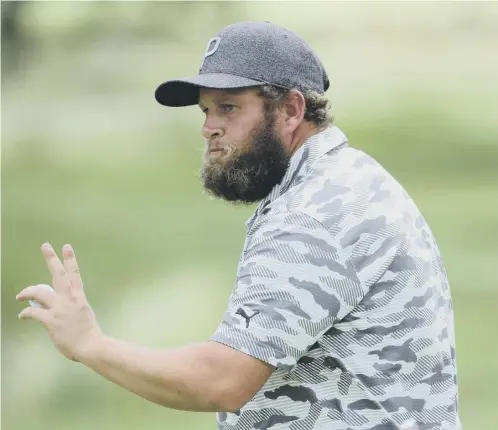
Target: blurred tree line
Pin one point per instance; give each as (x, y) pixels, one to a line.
(29, 28)
(12, 35)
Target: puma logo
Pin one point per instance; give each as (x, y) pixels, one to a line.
(244, 315)
(211, 48)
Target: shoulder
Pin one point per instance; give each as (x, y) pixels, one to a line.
(348, 188)
(353, 201)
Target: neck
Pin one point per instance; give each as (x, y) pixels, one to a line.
(302, 134)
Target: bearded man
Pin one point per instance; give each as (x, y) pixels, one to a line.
(341, 316)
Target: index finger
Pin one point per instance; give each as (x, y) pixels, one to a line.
(56, 268)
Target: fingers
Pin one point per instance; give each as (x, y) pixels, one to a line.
(71, 266)
(56, 268)
(36, 314)
(39, 293)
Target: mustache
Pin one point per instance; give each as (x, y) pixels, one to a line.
(217, 145)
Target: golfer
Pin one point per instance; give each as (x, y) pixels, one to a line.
(341, 315)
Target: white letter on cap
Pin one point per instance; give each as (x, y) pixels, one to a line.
(211, 51)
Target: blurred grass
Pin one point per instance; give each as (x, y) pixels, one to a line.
(134, 221)
(89, 159)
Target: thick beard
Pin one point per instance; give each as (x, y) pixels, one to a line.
(251, 175)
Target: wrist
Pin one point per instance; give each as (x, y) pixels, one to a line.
(90, 349)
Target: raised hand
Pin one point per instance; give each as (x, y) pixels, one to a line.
(65, 312)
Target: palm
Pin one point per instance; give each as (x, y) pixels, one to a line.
(65, 312)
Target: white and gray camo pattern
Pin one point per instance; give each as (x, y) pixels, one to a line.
(342, 288)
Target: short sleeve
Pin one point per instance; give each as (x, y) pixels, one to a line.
(293, 283)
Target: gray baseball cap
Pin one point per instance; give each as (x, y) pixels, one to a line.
(249, 54)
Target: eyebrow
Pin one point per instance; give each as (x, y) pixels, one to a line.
(220, 99)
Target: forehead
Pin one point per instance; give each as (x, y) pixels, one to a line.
(211, 95)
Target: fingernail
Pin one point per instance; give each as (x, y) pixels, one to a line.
(46, 246)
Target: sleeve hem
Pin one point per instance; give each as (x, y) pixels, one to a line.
(257, 351)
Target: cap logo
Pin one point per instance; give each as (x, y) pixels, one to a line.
(212, 47)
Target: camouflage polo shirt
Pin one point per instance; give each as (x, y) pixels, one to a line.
(341, 287)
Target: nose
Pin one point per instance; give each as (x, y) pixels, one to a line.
(211, 129)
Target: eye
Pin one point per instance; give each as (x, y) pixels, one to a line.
(227, 108)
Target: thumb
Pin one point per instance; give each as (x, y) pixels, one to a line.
(36, 314)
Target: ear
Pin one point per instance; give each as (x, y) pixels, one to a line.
(293, 108)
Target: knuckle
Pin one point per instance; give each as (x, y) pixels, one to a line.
(48, 320)
(84, 307)
(76, 297)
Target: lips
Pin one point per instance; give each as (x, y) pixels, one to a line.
(216, 150)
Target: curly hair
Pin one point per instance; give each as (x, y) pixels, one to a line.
(317, 105)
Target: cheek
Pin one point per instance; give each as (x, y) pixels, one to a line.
(236, 130)
(241, 131)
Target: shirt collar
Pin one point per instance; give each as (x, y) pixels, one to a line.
(302, 161)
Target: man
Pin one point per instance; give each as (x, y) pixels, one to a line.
(341, 316)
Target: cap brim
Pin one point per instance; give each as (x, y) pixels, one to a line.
(185, 91)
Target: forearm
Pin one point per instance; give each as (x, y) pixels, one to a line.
(183, 378)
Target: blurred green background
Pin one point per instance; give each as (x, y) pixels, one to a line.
(89, 158)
